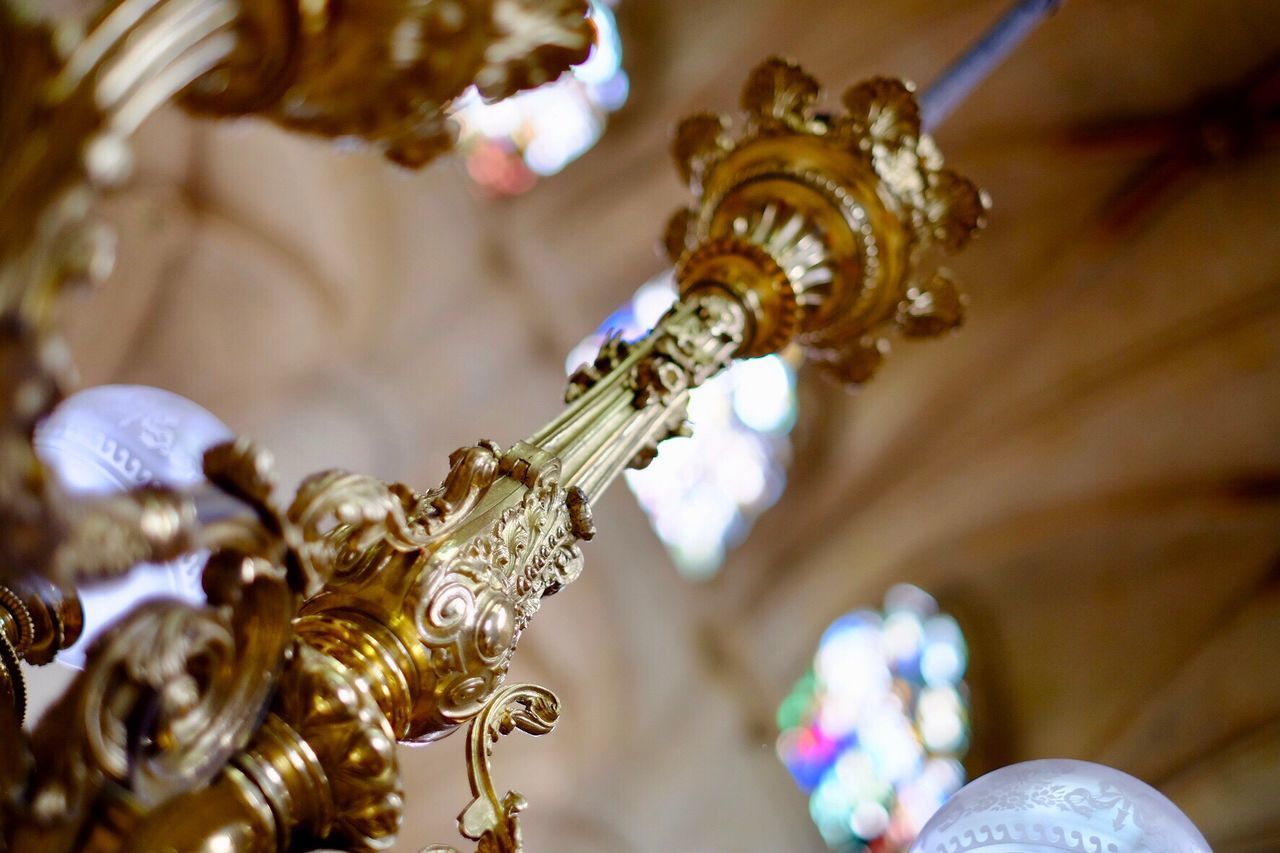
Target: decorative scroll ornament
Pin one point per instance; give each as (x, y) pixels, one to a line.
(494, 822)
(443, 597)
(529, 552)
(490, 820)
(173, 691)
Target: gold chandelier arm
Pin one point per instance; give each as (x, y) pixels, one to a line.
(367, 612)
(176, 697)
(634, 395)
(64, 125)
(809, 230)
(65, 120)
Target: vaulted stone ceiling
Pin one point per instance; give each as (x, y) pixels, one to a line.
(1088, 474)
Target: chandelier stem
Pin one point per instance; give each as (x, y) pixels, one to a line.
(967, 72)
(635, 394)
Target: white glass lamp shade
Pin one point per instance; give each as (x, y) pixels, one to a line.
(1055, 805)
(116, 437)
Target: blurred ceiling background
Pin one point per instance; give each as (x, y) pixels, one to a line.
(1087, 475)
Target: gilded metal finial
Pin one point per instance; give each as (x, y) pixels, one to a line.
(822, 225)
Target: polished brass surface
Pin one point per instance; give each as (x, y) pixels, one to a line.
(38, 618)
(365, 613)
(851, 208)
(492, 821)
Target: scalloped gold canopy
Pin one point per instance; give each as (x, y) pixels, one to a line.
(846, 213)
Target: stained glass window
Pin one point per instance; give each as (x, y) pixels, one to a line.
(875, 731)
(511, 143)
(703, 493)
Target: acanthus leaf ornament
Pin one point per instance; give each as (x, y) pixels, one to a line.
(699, 142)
(534, 41)
(954, 208)
(612, 352)
(881, 111)
(779, 94)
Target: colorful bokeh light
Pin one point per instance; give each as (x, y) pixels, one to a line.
(703, 493)
(510, 143)
(875, 732)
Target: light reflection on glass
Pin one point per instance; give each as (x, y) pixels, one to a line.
(876, 730)
(703, 493)
(509, 144)
(110, 438)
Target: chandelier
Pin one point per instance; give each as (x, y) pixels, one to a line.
(357, 613)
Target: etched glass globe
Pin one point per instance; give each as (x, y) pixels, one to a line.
(1056, 805)
(115, 437)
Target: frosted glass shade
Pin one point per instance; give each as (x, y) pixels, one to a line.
(1056, 805)
(115, 437)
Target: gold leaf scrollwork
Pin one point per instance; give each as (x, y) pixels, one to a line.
(472, 471)
(477, 598)
(173, 691)
(340, 515)
(167, 697)
(491, 821)
(387, 74)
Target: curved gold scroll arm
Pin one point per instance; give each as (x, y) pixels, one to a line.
(492, 821)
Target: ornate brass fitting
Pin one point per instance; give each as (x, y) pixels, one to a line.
(385, 71)
(821, 226)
